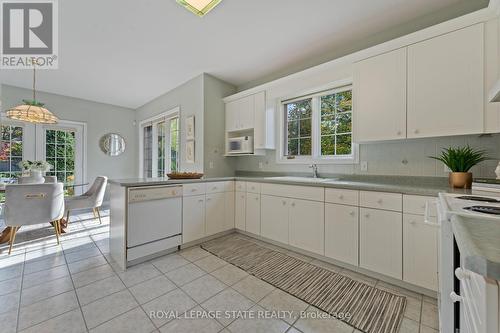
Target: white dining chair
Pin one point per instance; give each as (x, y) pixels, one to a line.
(27, 204)
(91, 199)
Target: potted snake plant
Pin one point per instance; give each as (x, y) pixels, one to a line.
(460, 160)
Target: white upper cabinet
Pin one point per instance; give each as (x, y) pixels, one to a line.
(240, 114)
(431, 88)
(261, 133)
(380, 97)
(446, 84)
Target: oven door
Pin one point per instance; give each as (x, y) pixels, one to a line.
(448, 283)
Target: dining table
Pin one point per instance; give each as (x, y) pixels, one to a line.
(5, 233)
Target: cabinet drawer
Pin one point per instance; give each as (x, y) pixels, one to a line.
(415, 204)
(229, 186)
(241, 186)
(343, 197)
(216, 187)
(253, 187)
(292, 191)
(194, 189)
(381, 200)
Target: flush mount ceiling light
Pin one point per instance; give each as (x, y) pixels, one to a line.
(32, 111)
(199, 7)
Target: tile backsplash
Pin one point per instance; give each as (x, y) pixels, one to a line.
(403, 158)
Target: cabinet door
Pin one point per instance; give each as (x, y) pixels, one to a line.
(229, 210)
(193, 218)
(274, 218)
(215, 206)
(307, 225)
(445, 84)
(420, 252)
(232, 116)
(341, 233)
(380, 97)
(239, 210)
(260, 123)
(252, 222)
(381, 241)
(247, 112)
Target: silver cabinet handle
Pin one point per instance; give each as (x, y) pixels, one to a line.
(341, 197)
(193, 190)
(416, 131)
(367, 216)
(399, 133)
(293, 204)
(379, 201)
(201, 200)
(256, 199)
(352, 213)
(413, 222)
(208, 199)
(284, 202)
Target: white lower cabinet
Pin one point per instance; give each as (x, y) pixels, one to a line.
(240, 199)
(193, 218)
(307, 225)
(341, 233)
(420, 252)
(215, 213)
(274, 218)
(381, 241)
(252, 213)
(229, 210)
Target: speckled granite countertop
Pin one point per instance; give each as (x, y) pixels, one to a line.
(479, 243)
(429, 186)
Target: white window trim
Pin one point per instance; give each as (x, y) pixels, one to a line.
(164, 116)
(316, 157)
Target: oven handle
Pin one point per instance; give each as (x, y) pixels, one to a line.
(427, 219)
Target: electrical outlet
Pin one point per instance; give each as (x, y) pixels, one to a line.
(364, 166)
(261, 165)
(211, 165)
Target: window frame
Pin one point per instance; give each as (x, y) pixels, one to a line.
(315, 157)
(165, 117)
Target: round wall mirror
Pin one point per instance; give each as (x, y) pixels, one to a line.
(112, 144)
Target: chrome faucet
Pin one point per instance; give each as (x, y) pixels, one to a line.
(314, 168)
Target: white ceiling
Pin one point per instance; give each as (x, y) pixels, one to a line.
(127, 52)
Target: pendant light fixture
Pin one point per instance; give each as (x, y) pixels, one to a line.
(32, 111)
(199, 7)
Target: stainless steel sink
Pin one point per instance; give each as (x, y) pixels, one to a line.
(303, 179)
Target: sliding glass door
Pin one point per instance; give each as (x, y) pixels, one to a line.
(160, 146)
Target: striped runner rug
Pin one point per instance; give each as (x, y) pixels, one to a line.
(369, 309)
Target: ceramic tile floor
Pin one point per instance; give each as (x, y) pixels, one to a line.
(75, 287)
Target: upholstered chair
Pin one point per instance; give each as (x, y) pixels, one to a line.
(91, 199)
(50, 179)
(27, 204)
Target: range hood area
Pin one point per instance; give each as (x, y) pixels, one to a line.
(494, 95)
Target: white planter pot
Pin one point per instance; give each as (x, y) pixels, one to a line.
(35, 177)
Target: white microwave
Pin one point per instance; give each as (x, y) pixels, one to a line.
(240, 145)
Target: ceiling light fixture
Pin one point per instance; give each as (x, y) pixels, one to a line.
(32, 111)
(199, 7)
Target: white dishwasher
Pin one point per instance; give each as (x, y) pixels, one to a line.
(154, 223)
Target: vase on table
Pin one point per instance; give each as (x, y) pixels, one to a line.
(35, 177)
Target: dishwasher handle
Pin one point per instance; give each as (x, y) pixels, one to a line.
(149, 193)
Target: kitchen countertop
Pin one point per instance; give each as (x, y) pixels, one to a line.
(429, 186)
(479, 244)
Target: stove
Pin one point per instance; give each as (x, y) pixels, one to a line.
(480, 205)
(484, 209)
(487, 207)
